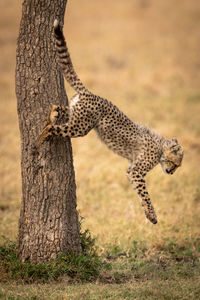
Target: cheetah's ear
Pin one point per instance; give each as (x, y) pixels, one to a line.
(175, 140)
(175, 148)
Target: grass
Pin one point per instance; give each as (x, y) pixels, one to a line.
(144, 57)
(134, 273)
(83, 267)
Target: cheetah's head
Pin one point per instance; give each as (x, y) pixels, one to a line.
(172, 156)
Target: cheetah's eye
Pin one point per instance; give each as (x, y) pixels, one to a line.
(175, 151)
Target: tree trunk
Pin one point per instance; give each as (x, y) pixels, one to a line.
(48, 222)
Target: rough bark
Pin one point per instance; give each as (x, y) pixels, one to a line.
(48, 223)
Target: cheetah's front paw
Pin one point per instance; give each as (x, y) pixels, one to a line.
(54, 114)
(152, 218)
(150, 214)
(47, 131)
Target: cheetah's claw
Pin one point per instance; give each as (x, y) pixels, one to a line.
(43, 136)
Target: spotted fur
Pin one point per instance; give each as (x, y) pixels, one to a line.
(143, 148)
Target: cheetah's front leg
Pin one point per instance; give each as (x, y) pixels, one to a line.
(71, 129)
(136, 178)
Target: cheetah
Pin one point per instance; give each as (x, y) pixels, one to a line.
(141, 146)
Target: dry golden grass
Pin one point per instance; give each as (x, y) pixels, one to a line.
(143, 55)
(148, 52)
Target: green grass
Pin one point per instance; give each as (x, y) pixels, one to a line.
(83, 267)
(172, 271)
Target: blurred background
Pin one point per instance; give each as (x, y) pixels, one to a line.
(143, 55)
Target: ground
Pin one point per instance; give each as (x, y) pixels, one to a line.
(143, 55)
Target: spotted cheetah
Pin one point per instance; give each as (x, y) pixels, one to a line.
(142, 147)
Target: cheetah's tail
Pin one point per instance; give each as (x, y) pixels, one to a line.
(65, 62)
